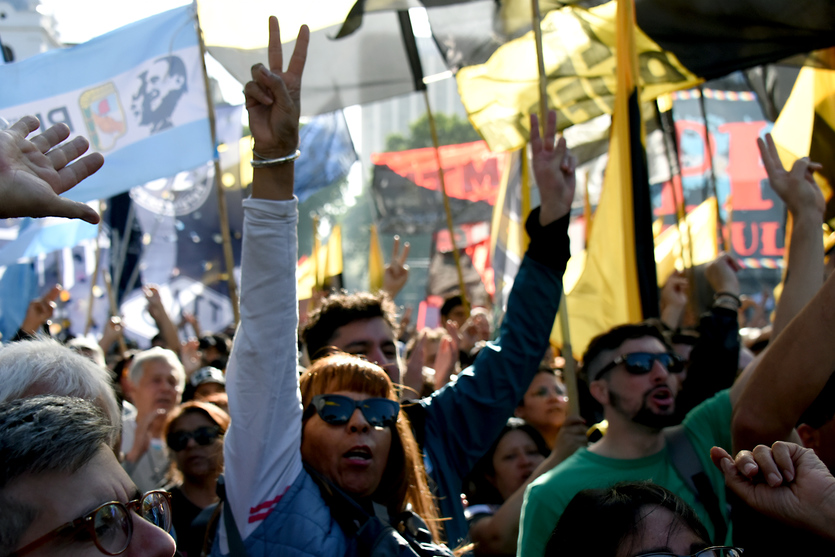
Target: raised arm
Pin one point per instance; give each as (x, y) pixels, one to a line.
(775, 388)
(166, 327)
(789, 375)
(261, 449)
(34, 173)
(805, 203)
(484, 395)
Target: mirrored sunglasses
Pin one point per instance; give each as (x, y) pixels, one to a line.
(110, 526)
(338, 409)
(717, 551)
(640, 363)
(203, 436)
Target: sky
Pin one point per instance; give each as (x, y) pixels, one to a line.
(81, 20)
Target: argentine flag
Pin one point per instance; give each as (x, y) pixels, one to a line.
(137, 94)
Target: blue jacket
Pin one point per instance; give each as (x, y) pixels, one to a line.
(463, 419)
(301, 525)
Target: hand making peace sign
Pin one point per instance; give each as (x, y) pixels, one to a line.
(273, 97)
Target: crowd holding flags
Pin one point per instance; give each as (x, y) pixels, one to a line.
(145, 100)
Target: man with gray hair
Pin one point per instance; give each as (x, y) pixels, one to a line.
(62, 490)
(46, 367)
(156, 383)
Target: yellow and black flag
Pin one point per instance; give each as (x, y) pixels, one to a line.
(618, 282)
(629, 141)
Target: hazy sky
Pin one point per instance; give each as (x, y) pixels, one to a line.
(81, 20)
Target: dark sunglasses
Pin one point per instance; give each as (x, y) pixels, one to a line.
(338, 409)
(178, 440)
(110, 526)
(640, 363)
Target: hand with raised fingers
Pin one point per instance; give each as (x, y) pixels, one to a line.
(34, 173)
(40, 311)
(396, 273)
(796, 187)
(784, 481)
(273, 97)
(554, 168)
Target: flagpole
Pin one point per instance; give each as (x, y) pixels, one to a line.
(317, 246)
(114, 310)
(222, 209)
(570, 370)
(708, 144)
(89, 323)
(680, 207)
(456, 256)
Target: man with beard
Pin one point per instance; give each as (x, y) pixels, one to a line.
(635, 375)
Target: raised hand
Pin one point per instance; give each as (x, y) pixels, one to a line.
(273, 97)
(152, 295)
(675, 290)
(397, 271)
(40, 311)
(571, 437)
(34, 173)
(784, 481)
(553, 167)
(796, 187)
(721, 273)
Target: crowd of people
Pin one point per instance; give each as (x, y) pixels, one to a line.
(685, 441)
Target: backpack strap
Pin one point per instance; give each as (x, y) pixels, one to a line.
(689, 467)
(233, 535)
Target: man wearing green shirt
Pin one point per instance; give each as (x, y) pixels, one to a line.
(635, 377)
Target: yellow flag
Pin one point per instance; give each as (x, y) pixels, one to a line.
(806, 125)
(324, 263)
(698, 236)
(580, 60)
(607, 292)
(376, 262)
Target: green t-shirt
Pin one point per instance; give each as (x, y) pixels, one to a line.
(707, 425)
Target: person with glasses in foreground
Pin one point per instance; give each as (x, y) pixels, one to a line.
(336, 430)
(632, 519)
(62, 491)
(641, 519)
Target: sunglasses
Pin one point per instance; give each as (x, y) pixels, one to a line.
(338, 409)
(640, 363)
(203, 436)
(718, 551)
(110, 526)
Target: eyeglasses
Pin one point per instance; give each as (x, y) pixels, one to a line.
(338, 409)
(178, 440)
(717, 551)
(640, 363)
(110, 526)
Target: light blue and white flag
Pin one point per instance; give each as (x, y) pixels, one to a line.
(137, 93)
